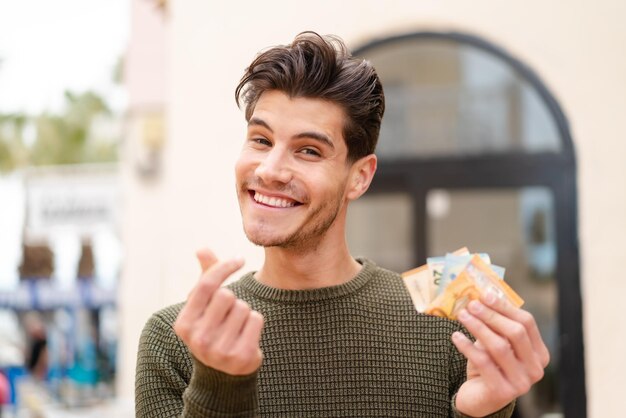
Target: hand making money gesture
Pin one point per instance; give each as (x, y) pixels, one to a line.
(507, 358)
(221, 331)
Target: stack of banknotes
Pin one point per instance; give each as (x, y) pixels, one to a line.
(445, 285)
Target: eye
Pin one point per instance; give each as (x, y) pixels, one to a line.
(261, 141)
(311, 151)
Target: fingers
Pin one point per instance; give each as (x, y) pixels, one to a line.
(232, 345)
(251, 333)
(524, 318)
(220, 330)
(221, 304)
(230, 329)
(236, 349)
(506, 359)
(486, 389)
(515, 332)
(480, 359)
(499, 350)
(510, 337)
(249, 340)
(206, 258)
(200, 296)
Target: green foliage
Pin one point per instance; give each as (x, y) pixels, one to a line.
(13, 152)
(65, 138)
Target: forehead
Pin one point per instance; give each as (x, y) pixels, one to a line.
(294, 114)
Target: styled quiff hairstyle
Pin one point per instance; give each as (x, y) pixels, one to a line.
(320, 67)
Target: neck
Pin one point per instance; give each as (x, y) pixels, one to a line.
(311, 268)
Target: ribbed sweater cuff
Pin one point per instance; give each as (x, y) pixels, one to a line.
(505, 412)
(214, 393)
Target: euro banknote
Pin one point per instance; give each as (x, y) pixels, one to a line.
(445, 285)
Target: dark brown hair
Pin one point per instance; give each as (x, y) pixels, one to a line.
(321, 67)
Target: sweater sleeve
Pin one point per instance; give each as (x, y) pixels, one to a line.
(170, 383)
(212, 393)
(458, 375)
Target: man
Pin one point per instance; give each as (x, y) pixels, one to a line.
(314, 331)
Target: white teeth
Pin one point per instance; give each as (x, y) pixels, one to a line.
(273, 201)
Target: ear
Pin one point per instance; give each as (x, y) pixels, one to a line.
(361, 175)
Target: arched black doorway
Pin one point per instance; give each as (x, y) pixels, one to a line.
(475, 151)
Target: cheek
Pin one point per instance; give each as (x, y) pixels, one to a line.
(242, 167)
(330, 186)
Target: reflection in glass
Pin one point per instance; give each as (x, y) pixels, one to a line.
(446, 98)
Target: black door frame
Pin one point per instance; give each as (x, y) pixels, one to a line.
(556, 171)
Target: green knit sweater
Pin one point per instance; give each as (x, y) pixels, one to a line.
(358, 349)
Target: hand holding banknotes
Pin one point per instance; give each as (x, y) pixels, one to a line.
(507, 358)
(221, 331)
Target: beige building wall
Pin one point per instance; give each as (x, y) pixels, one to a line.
(575, 48)
(144, 217)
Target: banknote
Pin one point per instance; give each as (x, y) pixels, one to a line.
(417, 282)
(436, 266)
(454, 265)
(476, 279)
(462, 277)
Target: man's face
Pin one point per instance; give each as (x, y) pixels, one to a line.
(292, 171)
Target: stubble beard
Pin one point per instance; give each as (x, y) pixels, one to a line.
(305, 238)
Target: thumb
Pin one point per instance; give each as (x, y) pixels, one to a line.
(206, 258)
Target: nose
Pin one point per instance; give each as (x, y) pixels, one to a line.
(274, 167)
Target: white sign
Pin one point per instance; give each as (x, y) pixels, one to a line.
(81, 198)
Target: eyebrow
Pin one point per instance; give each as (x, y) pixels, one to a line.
(320, 137)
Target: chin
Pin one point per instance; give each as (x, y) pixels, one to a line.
(263, 239)
(289, 242)
(267, 242)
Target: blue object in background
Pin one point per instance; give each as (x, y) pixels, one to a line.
(14, 373)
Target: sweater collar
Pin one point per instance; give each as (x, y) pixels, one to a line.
(250, 284)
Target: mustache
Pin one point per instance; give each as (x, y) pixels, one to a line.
(289, 189)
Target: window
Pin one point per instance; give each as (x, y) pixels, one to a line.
(475, 151)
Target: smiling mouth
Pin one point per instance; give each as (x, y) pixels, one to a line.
(272, 201)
